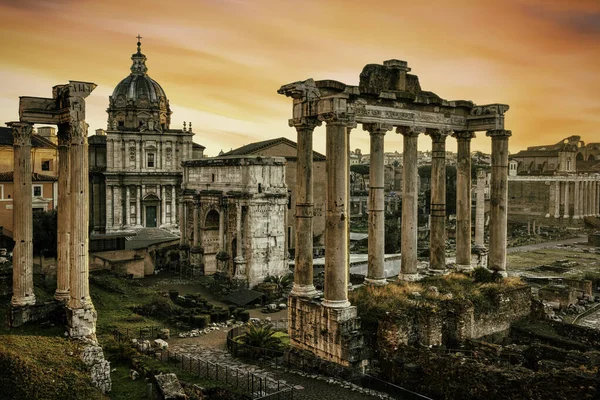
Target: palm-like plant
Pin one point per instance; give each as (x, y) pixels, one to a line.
(283, 282)
(261, 336)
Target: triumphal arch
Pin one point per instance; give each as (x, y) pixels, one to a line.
(66, 109)
(387, 98)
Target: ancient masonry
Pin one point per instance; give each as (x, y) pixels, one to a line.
(66, 109)
(235, 206)
(387, 97)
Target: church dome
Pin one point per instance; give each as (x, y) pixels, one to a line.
(138, 102)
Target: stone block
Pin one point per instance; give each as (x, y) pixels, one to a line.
(169, 387)
(160, 344)
(81, 322)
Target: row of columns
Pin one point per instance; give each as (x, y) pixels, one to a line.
(73, 216)
(114, 196)
(337, 204)
(583, 193)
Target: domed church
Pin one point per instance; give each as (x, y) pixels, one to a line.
(143, 154)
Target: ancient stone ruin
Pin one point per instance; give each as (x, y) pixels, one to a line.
(66, 109)
(386, 97)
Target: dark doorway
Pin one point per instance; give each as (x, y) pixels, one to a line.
(150, 216)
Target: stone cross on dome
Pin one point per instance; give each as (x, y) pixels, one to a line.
(139, 42)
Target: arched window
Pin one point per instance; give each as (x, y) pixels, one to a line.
(212, 220)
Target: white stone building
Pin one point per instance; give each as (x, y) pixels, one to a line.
(144, 155)
(235, 207)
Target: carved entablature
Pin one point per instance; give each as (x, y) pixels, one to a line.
(387, 94)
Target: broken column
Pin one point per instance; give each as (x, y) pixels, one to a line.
(410, 203)
(437, 232)
(498, 200)
(303, 269)
(22, 216)
(64, 214)
(376, 270)
(463, 200)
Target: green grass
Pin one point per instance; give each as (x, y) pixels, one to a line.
(123, 388)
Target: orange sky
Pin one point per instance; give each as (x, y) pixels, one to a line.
(221, 61)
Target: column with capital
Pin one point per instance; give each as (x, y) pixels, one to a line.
(337, 210)
(480, 210)
(376, 266)
(437, 231)
(463, 200)
(23, 294)
(567, 200)
(303, 269)
(498, 200)
(557, 198)
(81, 315)
(63, 218)
(410, 203)
(576, 198)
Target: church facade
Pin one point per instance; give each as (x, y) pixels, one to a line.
(143, 155)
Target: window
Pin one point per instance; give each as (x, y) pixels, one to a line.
(37, 190)
(213, 177)
(46, 165)
(121, 123)
(150, 160)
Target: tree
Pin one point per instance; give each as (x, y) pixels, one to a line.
(45, 233)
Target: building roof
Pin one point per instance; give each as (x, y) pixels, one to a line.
(37, 141)
(197, 146)
(535, 153)
(35, 177)
(265, 144)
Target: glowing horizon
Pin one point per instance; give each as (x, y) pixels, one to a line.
(221, 62)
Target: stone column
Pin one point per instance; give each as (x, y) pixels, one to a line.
(138, 205)
(221, 229)
(463, 200)
(138, 155)
(82, 321)
(110, 154)
(480, 209)
(118, 206)
(567, 200)
(127, 211)
(597, 198)
(63, 218)
(557, 199)
(109, 207)
(376, 269)
(23, 294)
(240, 260)
(437, 232)
(182, 223)
(576, 198)
(498, 200)
(336, 219)
(173, 206)
(303, 270)
(195, 222)
(410, 203)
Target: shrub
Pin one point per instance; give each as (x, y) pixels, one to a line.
(482, 275)
(244, 316)
(261, 336)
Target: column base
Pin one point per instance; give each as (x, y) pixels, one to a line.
(335, 303)
(503, 274)
(307, 291)
(566, 216)
(464, 267)
(62, 295)
(547, 215)
(27, 300)
(376, 282)
(409, 277)
(438, 271)
(556, 215)
(81, 322)
(575, 216)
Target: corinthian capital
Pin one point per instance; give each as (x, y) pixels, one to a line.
(498, 133)
(410, 131)
(463, 135)
(79, 132)
(21, 132)
(375, 128)
(338, 118)
(309, 123)
(437, 135)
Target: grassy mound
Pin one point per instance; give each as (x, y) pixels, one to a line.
(39, 367)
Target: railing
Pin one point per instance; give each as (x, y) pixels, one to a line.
(387, 390)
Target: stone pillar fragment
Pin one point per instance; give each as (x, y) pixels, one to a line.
(463, 200)
(64, 214)
(437, 232)
(410, 203)
(498, 200)
(337, 211)
(480, 209)
(376, 270)
(303, 270)
(23, 294)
